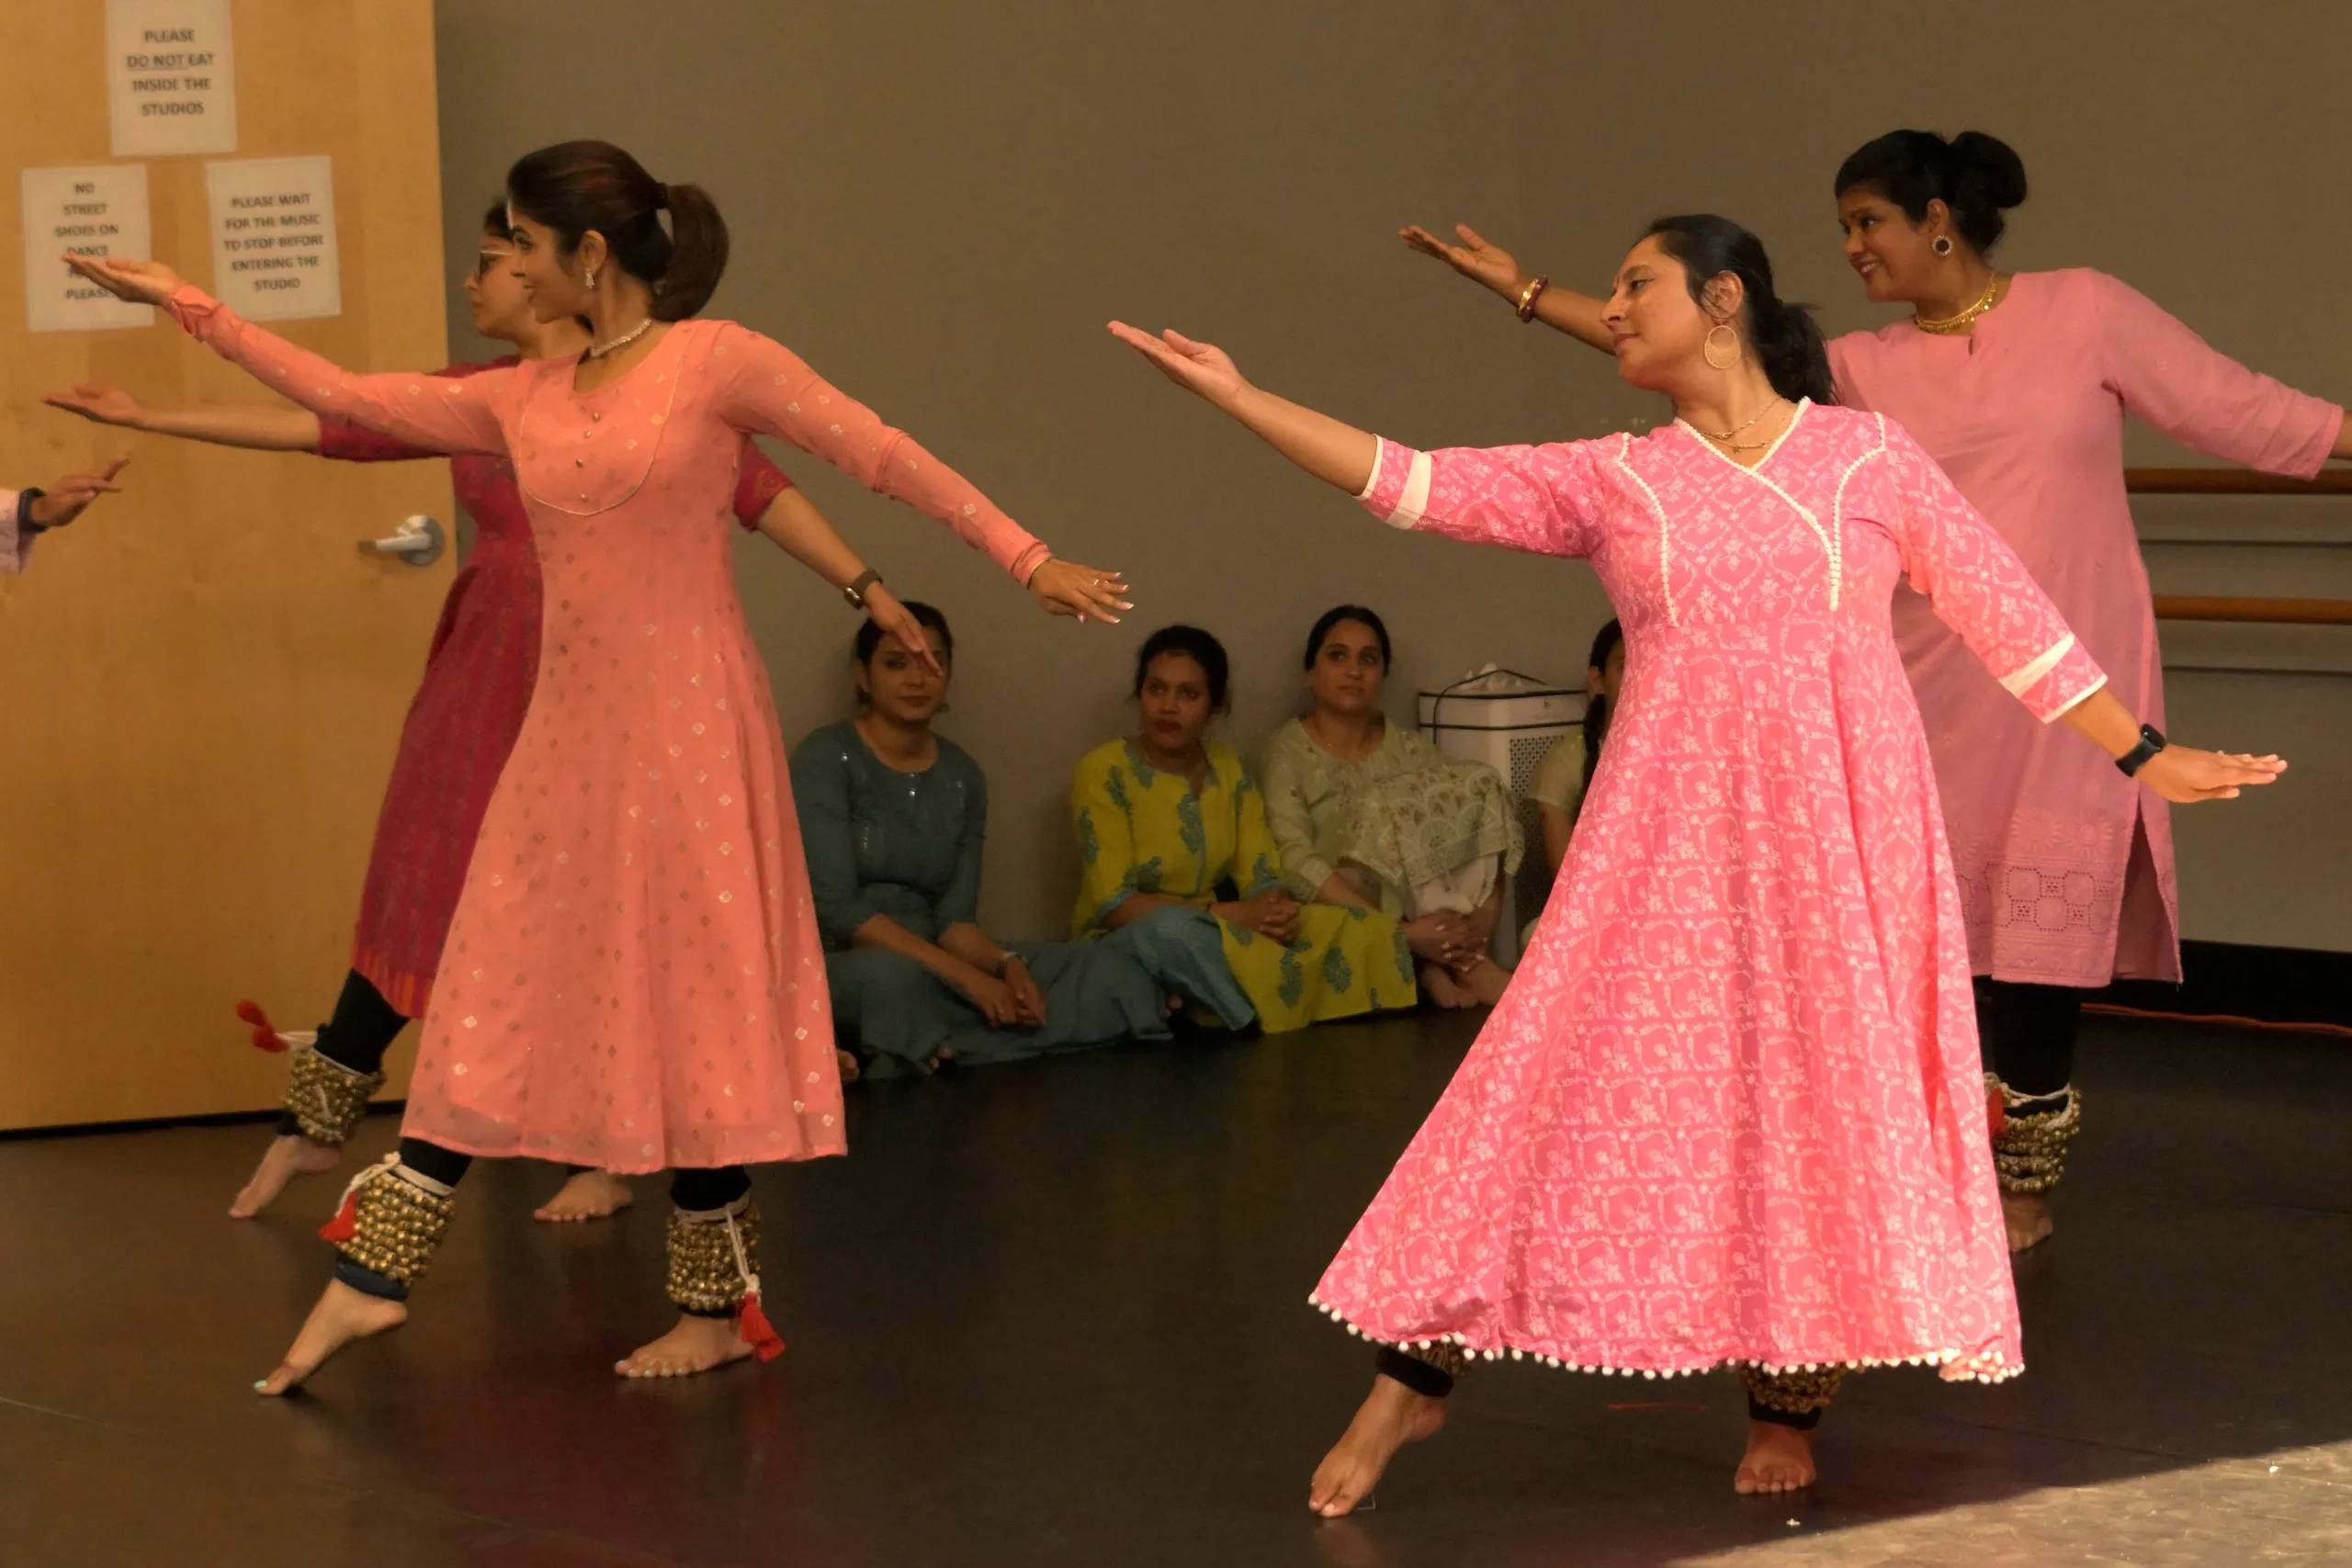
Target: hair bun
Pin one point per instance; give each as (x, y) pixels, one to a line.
(1986, 171)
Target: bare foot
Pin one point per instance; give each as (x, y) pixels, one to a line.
(588, 1195)
(847, 1061)
(1484, 982)
(2026, 1215)
(1779, 1458)
(342, 1316)
(695, 1345)
(1442, 988)
(1390, 1416)
(290, 1155)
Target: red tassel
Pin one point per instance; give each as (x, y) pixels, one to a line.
(751, 1325)
(346, 1224)
(1996, 1112)
(265, 1035)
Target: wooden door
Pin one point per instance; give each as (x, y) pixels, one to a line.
(202, 682)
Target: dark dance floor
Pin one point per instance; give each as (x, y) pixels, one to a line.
(1056, 1315)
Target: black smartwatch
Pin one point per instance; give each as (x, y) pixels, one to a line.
(26, 526)
(2152, 740)
(855, 591)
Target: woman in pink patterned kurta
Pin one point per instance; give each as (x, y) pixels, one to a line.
(1729, 1112)
(633, 978)
(2018, 385)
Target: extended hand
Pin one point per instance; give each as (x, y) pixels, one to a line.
(2184, 774)
(69, 497)
(105, 405)
(1196, 367)
(1086, 592)
(885, 611)
(1473, 258)
(141, 282)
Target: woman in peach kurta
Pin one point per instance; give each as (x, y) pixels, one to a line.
(633, 978)
(1728, 1112)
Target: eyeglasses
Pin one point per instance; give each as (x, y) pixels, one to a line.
(486, 259)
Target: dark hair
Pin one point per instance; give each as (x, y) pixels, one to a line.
(1332, 617)
(1976, 175)
(869, 635)
(1194, 644)
(1596, 712)
(576, 187)
(494, 221)
(1782, 335)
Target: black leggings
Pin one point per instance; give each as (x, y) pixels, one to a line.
(362, 1030)
(692, 1189)
(2028, 1033)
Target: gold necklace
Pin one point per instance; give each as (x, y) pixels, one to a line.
(1951, 325)
(1728, 434)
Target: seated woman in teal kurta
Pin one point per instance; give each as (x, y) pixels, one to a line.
(892, 816)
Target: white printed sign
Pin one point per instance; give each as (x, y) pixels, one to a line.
(171, 76)
(96, 212)
(273, 253)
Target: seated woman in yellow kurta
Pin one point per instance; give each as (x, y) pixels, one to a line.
(1172, 836)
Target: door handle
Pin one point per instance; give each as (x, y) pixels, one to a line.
(418, 541)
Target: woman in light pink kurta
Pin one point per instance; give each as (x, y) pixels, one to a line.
(633, 978)
(2020, 385)
(1729, 1112)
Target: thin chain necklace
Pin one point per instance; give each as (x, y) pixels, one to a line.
(598, 350)
(1951, 325)
(1726, 435)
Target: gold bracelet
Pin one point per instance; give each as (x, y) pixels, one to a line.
(1529, 295)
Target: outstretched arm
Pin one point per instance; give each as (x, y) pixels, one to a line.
(1491, 266)
(435, 411)
(1542, 499)
(2202, 398)
(793, 524)
(764, 387)
(1979, 587)
(254, 429)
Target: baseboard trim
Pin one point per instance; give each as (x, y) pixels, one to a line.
(2286, 986)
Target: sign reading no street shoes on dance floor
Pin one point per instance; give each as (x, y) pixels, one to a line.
(171, 76)
(274, 251)
(99, 212)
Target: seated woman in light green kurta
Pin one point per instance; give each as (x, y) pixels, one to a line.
(1370, 815)
(892, 816)
(1173, 837)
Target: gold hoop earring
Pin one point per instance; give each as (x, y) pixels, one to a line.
(1708, 348)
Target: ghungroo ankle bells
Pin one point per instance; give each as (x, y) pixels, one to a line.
(390, 1223)
(713, 1270)
(325, 1097)
(2030, 1136)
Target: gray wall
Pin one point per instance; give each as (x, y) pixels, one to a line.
(939, 205)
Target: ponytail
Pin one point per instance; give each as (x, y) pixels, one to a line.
(1788, 341)
(697, 255)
